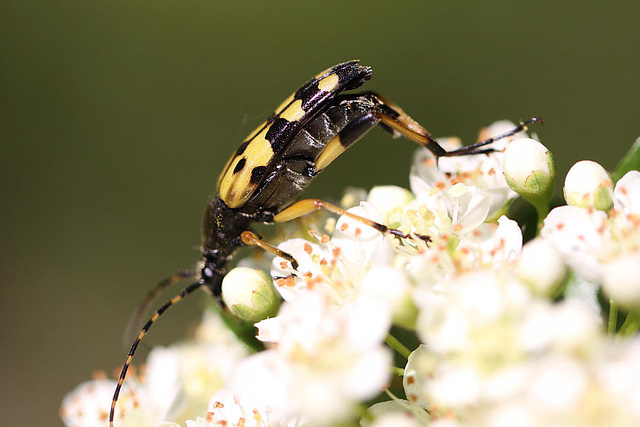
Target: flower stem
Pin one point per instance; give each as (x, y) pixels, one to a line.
(630, 325)
(399, 372)
(542, 209)
(397, 346)
(613, 317)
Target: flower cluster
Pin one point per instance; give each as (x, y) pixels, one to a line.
(472, 328)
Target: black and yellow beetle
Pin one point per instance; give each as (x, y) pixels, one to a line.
(271, 168)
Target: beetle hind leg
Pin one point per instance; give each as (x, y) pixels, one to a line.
(394, 120)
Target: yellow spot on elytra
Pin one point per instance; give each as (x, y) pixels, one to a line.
(236, 189)
(329, 83)
(234, 159)
(284, 104)
(293, 112)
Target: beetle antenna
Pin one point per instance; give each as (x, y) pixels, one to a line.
(136, 317)
(123, 373)
(474, 148)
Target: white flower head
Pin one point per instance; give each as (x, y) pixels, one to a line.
(579, 235)
(467, 189)
(465, 312)
(334, 266)
(589, 239)
(88, 404)
(322, 359)
(175, 384)
(226, 410)
(142, 402)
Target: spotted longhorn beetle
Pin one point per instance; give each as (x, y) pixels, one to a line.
(267, 173)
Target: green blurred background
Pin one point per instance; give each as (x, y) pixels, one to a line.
(117, 116)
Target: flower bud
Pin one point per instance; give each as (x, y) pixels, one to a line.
(540, 266)
(588, 185)
(250, 294)
(529, 169)
(390, 201)
(621, 281)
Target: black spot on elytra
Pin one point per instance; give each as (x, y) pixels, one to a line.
(241, 148)
(257, 173)
(279, 132)
(240, 165)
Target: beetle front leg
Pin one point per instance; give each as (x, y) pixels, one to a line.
(250, 238)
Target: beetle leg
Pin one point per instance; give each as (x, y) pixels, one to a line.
(307, 206)
(394, 118)
(477, 147)
(250, 238)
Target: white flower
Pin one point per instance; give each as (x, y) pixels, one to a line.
(416, 375)
(226, 410)
(177, 383)
(88, 404)
(158, 397)
(567, 327)
(579, 235)
(541, 267)
(334, 266)
(588, 239)
(395, 413)
(323, 359)
(467, 310)
(626, 197)
(490, 245)
(467, 189)
(621, 279)
(390, 202)
(389, 284)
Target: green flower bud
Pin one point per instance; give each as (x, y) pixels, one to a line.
(529, 169)
(249, 294)
(588, 185)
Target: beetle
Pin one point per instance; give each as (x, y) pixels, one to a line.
(264, 178)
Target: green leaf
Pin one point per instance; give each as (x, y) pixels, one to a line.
(630, 161)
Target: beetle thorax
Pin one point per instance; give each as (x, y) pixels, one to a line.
(221, 229)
